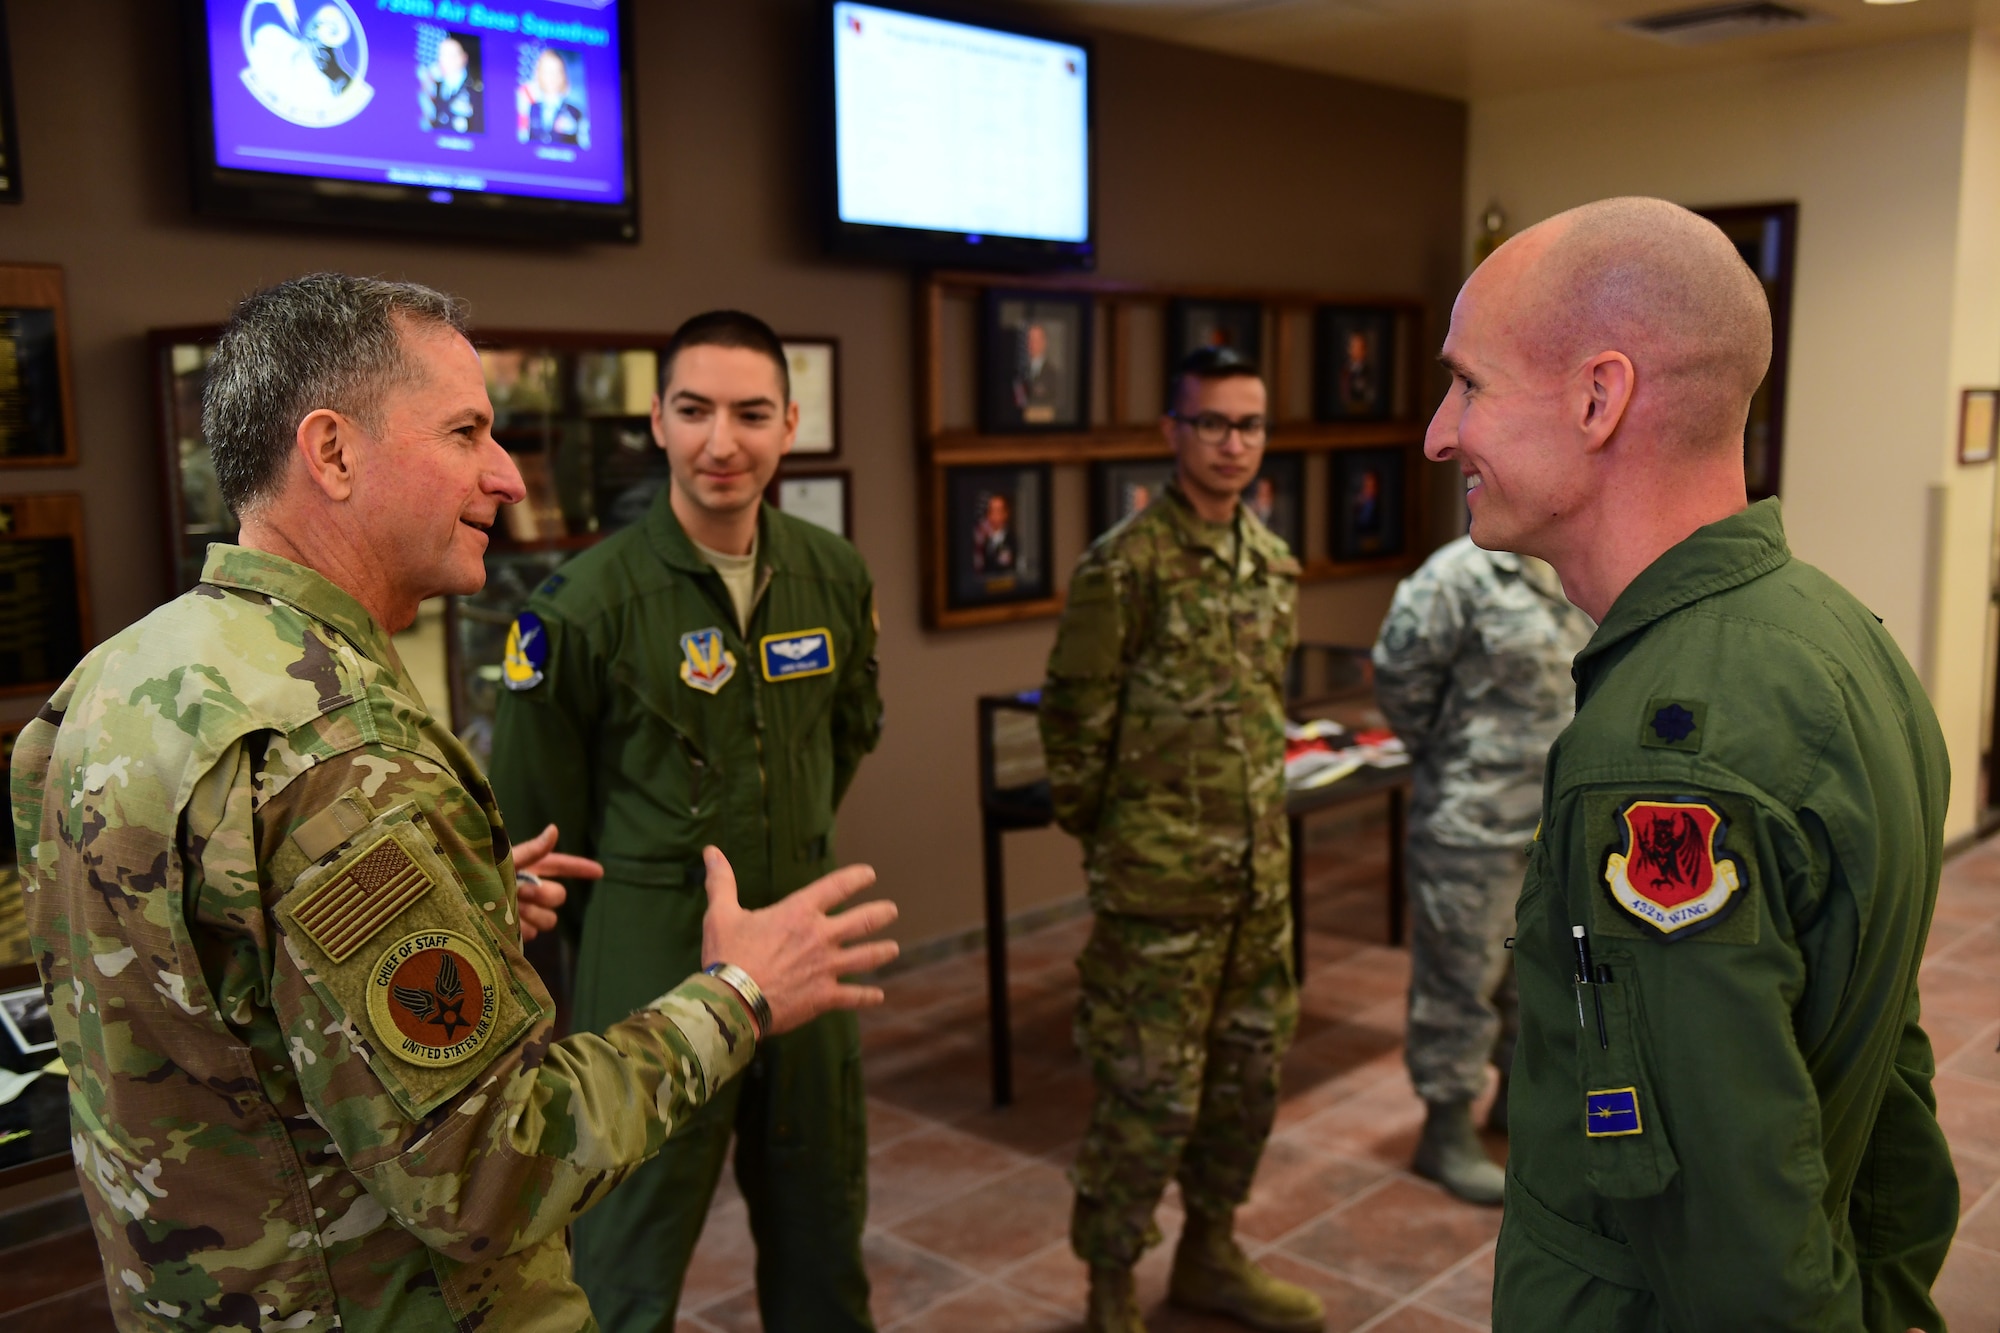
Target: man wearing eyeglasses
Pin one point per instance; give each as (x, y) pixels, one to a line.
(1163, 721)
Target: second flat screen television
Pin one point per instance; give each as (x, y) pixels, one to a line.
(958, 143)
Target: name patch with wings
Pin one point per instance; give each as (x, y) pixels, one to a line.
(431, 998)
(1669, 869)
(806, 652)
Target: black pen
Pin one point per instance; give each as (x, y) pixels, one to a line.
(1587, 976)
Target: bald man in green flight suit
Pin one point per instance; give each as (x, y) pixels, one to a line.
(708, 676)
(1721, 1111)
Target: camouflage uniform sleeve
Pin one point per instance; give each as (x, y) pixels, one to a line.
(417, 1034)
(1413, 654)
(857, 707)
(1080, 698)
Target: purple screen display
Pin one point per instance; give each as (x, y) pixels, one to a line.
(511, 97)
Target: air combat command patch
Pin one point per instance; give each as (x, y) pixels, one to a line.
(527, 653)
(806, 652)
(1669, 869)
(709, 663)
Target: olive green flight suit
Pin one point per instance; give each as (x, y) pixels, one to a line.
(646, 724)
(1746, 819)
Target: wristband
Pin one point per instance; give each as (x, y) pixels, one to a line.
(753, 998)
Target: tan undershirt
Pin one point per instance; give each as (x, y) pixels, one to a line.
(739, 575)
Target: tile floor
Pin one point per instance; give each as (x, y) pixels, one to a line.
(969, 1208)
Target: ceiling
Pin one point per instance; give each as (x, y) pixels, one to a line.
(1485, 48)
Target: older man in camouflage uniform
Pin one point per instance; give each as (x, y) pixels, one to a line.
(313, 1081)
(1472, 670)
(1163, 721)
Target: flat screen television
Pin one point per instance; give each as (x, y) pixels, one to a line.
(504, 118)
(957, 143)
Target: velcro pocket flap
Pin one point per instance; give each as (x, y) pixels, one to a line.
(388, 937)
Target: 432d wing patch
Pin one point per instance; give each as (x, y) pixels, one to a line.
(1669, 869)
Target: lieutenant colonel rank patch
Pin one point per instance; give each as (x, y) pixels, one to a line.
(806, 652)
(709, 663)
(527, 653)
(1673, 724)
(1669, 870)
(1612, 1113)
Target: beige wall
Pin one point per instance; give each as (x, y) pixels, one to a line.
(1893, 308)
(1213, 171)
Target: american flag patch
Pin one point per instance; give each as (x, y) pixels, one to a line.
(359, 900)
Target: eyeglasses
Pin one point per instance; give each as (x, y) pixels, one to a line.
(1214, 428)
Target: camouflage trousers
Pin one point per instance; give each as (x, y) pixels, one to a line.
(1185, 1021)
(1463, 1012)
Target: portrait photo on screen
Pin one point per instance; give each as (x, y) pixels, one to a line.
(1121, 488)
(1277, 498)
(552, 101)
(451, 84)
(1037, 362)
(997, 534)
(1237, 325)
(1354, 378)
(1368, 511)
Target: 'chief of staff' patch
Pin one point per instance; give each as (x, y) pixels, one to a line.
(527, 653)
(1669, 870)
(431, 998)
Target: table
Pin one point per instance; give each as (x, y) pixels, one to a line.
(1004, 810)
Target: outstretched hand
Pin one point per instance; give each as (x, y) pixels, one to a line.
(538, 895)
(796, 950)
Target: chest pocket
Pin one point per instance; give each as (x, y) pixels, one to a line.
(658, 740)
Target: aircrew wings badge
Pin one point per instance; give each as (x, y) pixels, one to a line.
(709, 663)
(521, 668)
(1670, 870)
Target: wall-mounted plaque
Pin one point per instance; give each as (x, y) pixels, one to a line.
(44, 604)
(37, 412)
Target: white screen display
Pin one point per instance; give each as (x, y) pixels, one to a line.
(948, 127)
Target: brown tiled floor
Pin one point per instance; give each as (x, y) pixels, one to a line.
(969, 1207)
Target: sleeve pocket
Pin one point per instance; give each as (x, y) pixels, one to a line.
(1626, 1151)
(385, 933)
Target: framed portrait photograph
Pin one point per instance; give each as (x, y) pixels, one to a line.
(820, 495)
(1277, 498)
(1238, 325)
(814, 365)
(1368, 513)
(1354, 370)
(996, 534)
(1767, 236)
(44, 603)
(1037, 358)
(37, 412)
(1120, 488)
(1978, 425)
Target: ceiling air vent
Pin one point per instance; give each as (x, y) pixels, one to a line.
(1721, 23)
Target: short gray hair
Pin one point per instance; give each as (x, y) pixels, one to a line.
(325, 340)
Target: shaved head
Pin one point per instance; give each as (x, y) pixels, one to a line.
(1669, 290)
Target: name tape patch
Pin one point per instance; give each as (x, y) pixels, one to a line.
(1611, 1113)
(807, 652)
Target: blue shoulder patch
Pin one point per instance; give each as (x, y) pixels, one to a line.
(527, 653)
(552, 582)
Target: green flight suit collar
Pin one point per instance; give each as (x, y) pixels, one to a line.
(307, 589)
(671, 543)
(1723, 555)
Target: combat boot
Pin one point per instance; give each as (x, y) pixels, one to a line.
(1451, 1154)
(1114, 1304)
(1212, 1274)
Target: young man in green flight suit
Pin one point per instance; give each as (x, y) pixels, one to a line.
(1163, 719)
(708, 676)
(1721, 1112)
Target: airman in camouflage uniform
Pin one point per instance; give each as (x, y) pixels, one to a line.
(313, 1081)
(1472, 671)
(1163, 723)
